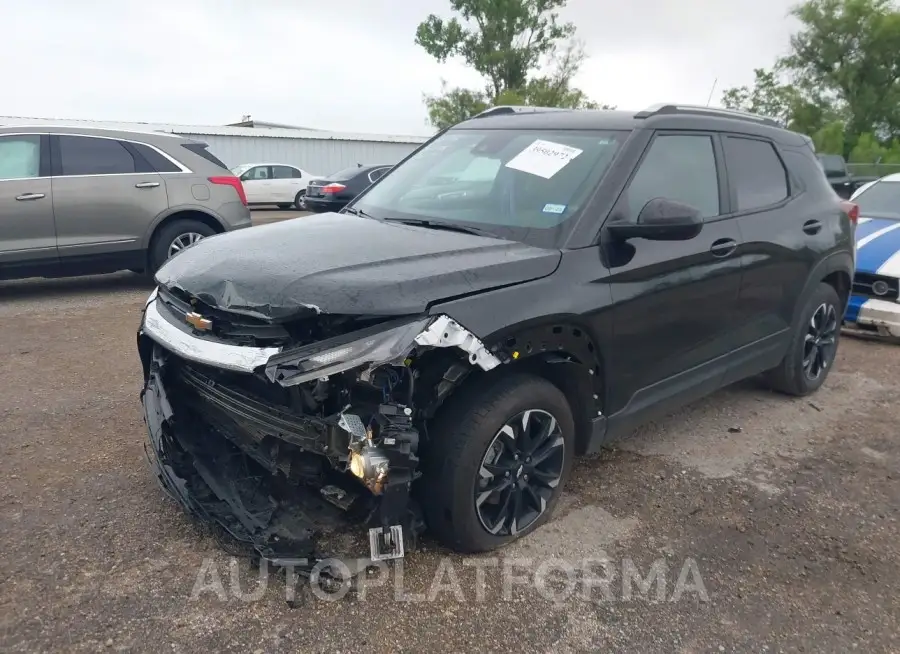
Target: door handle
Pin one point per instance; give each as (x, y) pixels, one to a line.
(30, 196)
(812, 226)
(723, 247)
(147, 185)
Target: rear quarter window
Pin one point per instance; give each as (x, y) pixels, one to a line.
(200, 149)
(157, 161)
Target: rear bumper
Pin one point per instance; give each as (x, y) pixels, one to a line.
(321, 205)
(872, 317)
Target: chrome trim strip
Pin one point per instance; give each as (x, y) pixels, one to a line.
(219, 355)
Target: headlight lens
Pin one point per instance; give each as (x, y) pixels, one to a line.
(377, 345)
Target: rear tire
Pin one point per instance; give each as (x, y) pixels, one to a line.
(814, 343)
(167, 236)
(470, 467)
(299, 202)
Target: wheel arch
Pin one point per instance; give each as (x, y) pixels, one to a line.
(836, 270)
(559, 350)
(205, 217)
(183, 213)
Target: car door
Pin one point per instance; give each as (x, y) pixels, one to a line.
(673, 301)
(258, 185)
(288, 182)
(27, 230)
(102, 204)
(777, 252)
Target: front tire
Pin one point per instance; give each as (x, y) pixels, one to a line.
(814, 343)
(497, 458)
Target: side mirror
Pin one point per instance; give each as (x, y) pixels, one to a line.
(661, 220)
(245, 177)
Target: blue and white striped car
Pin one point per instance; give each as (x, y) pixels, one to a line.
(874, 307)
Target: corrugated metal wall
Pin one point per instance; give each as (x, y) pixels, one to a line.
(318, 157)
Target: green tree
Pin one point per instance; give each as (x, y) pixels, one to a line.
(849, 51)
(789, 105)
(454, 105)
(831, 138)
(508, 42)
(767, 97)
(843, 67)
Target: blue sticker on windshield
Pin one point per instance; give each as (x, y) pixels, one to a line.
(554, 208)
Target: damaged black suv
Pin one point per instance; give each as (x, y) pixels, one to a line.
(523, 288)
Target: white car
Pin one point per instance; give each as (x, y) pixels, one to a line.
(274, 183)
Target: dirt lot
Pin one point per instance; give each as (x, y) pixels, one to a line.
(781, 516)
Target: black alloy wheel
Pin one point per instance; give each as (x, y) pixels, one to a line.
(821, 341)
(519, 473)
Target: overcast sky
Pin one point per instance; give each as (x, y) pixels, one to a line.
(348, 65)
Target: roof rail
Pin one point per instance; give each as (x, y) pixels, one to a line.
(697, 110)
(516, 109)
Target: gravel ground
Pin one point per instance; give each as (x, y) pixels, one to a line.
(772, 523)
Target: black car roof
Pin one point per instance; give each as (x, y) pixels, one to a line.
(667, 116)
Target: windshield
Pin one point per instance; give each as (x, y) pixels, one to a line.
(881, 200)
(240, 170)
(522, 185)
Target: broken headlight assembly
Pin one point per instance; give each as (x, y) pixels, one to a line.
(382, 344)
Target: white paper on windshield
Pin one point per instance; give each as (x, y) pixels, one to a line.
(543, 158)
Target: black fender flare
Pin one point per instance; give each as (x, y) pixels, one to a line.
(561, 344)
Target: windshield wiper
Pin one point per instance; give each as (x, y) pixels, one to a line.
(358, 212)
(450, 227)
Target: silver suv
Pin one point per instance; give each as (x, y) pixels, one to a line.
(79, 201)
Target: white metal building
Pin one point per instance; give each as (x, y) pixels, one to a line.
(316, 151)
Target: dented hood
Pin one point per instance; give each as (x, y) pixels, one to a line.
(346, 264)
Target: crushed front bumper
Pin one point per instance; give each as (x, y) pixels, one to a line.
(260, 508)
(871, 317)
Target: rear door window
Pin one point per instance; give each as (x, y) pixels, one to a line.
(285, 172)
(86, 155)
(756, 173)
(20, 156)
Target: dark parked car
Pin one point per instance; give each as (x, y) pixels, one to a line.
(839, 176)
(523, 288)
(335, 191)
(77, 200)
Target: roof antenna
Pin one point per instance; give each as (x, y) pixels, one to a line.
(711, 91)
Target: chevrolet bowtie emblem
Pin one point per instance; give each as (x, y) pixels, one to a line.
(197, 321)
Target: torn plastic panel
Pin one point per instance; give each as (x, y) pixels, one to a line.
(382, 344)
(274, 479)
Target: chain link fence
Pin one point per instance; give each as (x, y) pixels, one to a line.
(872, 169)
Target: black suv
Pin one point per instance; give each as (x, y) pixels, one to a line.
(523, 288)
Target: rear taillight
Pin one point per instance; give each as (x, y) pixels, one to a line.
(331, 189)
(851, 209)
(230, 180)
